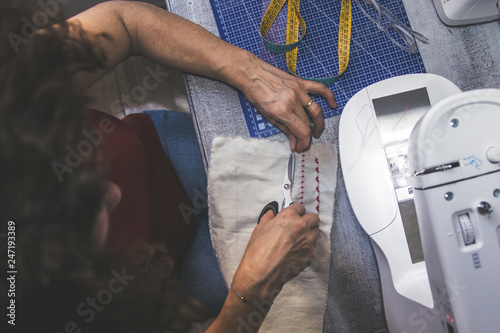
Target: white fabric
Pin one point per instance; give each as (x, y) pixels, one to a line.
(245, 175)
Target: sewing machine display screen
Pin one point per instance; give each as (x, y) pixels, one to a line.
(397, 115)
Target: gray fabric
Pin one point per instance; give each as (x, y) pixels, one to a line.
(468, 56)
(246, 174)
(354, 301)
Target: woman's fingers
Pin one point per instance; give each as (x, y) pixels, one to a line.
(284, 101)
(316, 114)
(314, 110)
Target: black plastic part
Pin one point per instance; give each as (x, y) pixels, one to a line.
(270, 206)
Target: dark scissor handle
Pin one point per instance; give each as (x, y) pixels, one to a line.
(273, 205)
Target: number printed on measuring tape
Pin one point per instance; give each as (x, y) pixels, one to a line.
(293, 15)
(294, 20)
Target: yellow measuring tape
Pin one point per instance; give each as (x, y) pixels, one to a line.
(294, 20)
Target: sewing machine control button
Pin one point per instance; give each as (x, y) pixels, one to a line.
(493, 155)
(484, 208)
(467, 229)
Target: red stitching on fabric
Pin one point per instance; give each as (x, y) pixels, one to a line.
(302, 176)
(317, 182)
(316, 160)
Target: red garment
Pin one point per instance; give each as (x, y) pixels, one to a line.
(152, 193)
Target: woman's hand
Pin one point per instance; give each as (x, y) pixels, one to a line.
(279, 249)
(283, 100)
(177, 43)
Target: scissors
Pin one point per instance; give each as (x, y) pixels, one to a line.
(285, 198)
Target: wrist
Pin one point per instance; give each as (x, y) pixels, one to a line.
(239, 69)
(261, 292)
(242, 298)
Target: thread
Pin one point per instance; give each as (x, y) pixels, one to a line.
(316, 160)
(364, 136)
(302, 176)
(394, 129)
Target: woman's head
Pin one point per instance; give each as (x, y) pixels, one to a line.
(41, 117)
(61, 218)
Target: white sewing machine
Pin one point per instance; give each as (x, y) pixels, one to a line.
(461, 12)
(432, 195)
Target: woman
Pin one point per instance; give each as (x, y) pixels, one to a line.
(61, 197)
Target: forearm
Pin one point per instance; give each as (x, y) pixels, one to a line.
(178, 43)
(142, 29)
(280, 248)
(238, 316)
(280, 97)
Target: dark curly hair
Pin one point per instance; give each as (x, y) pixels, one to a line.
(61, 271)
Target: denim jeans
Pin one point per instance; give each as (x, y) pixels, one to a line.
(199, 275)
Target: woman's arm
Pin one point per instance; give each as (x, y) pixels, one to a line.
(280, 247)
(278, 250)
(143, 29)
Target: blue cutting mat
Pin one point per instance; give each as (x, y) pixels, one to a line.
(373, 56)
